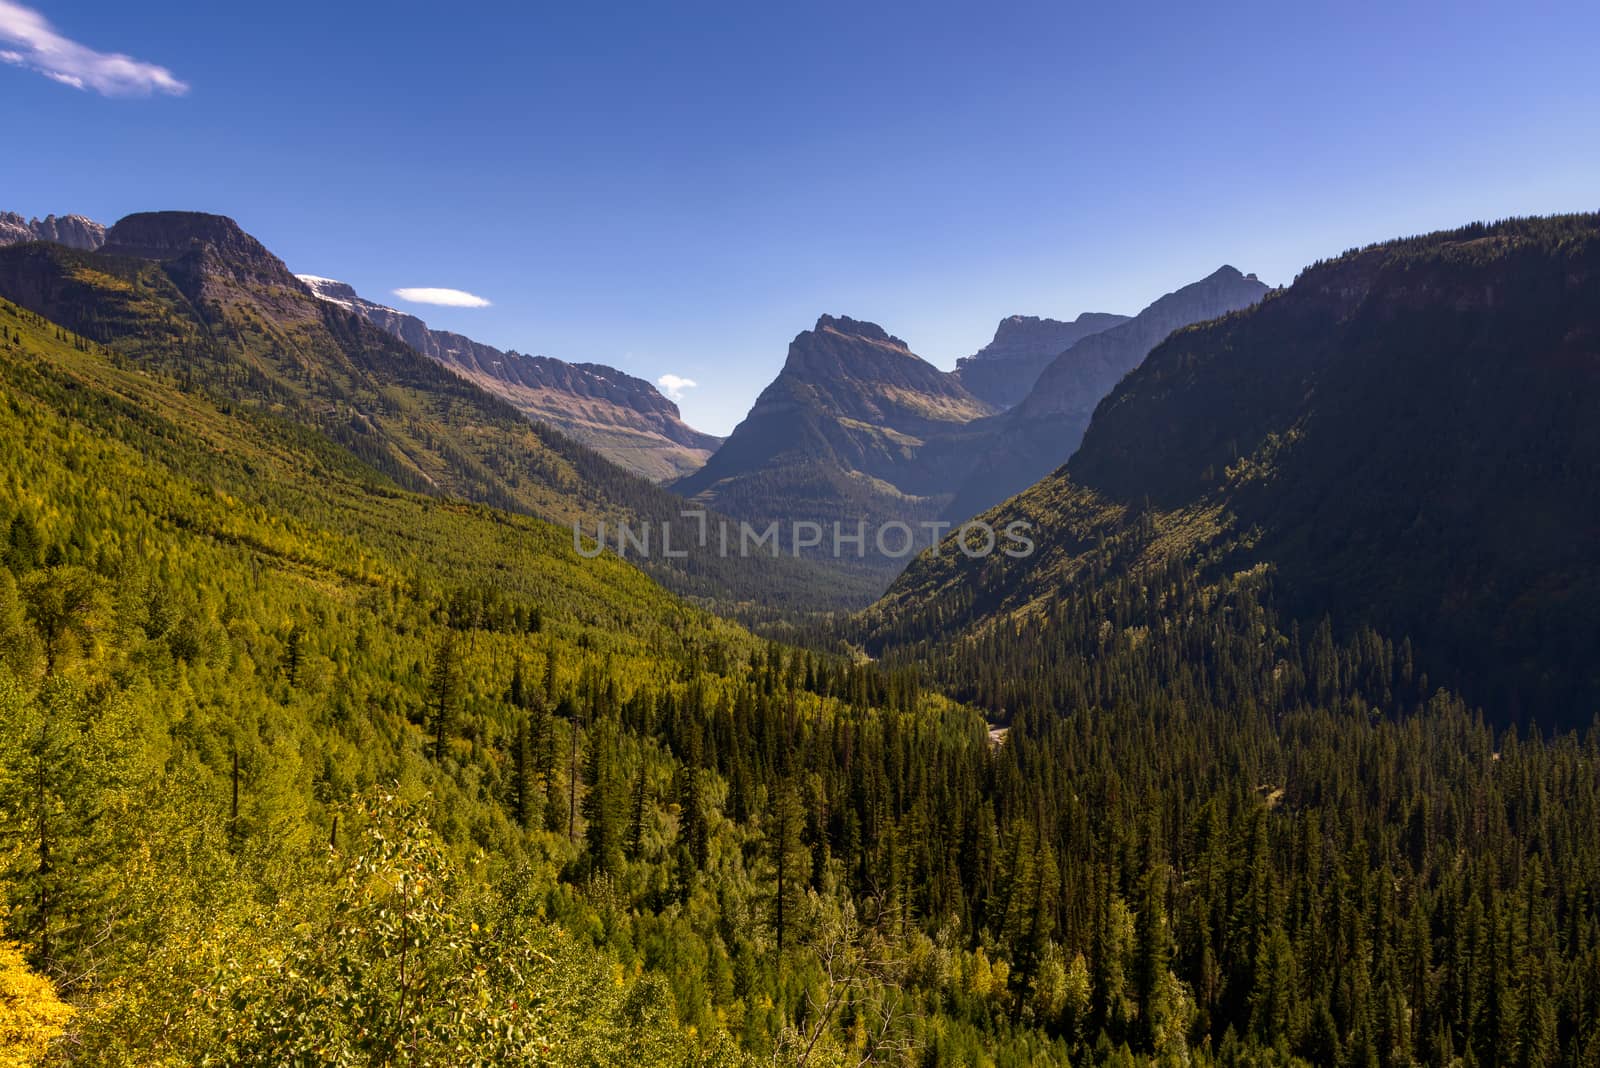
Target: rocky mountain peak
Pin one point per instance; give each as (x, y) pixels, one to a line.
(841, 349)
(843, 324)
(214, 245)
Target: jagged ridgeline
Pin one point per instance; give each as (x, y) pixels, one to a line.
(1406, 439)
(194, 298)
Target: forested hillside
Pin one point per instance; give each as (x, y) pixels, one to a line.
(303, 768)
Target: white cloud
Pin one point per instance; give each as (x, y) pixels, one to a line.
(38, 47)
(450, 298)
(674, 385)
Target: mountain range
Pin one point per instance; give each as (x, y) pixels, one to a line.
(1399, 439)
(74, 231)
(858, 427)
(623, 418)
(194, 298)
(1233, 769)
(1003, 456)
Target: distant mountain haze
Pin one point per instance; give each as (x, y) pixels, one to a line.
(1013, 451)
(857, 427)
(1003, 371)
(625, 419)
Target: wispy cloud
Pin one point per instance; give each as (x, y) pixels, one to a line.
(674, 385)
(450, 298)
(35, 45)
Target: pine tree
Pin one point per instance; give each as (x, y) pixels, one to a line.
(787, 856)
(602, 801)
(444, 685)
(292, 654)
(638, 805)
(62, 604)
(22, 544)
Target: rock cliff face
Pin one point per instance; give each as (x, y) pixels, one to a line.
(74, 231)
(624, 418)
(859, 371)
(1003, 371)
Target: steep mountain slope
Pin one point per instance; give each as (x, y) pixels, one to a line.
(1017, 448)
(195, 297)
(1003, 371)
(1406, 438)
(74, 231)
(623, 418)
(836, 436)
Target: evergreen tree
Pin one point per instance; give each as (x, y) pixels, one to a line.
(787, 856)
(603, 801)
(444, 691)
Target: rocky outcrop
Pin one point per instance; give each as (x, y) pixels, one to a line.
(74, 231)
(213, 262)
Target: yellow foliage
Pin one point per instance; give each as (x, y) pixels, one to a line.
(31, 1015)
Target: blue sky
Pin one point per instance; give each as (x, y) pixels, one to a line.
(679, 189)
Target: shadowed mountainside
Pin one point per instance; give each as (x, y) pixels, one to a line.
(1404, 439)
